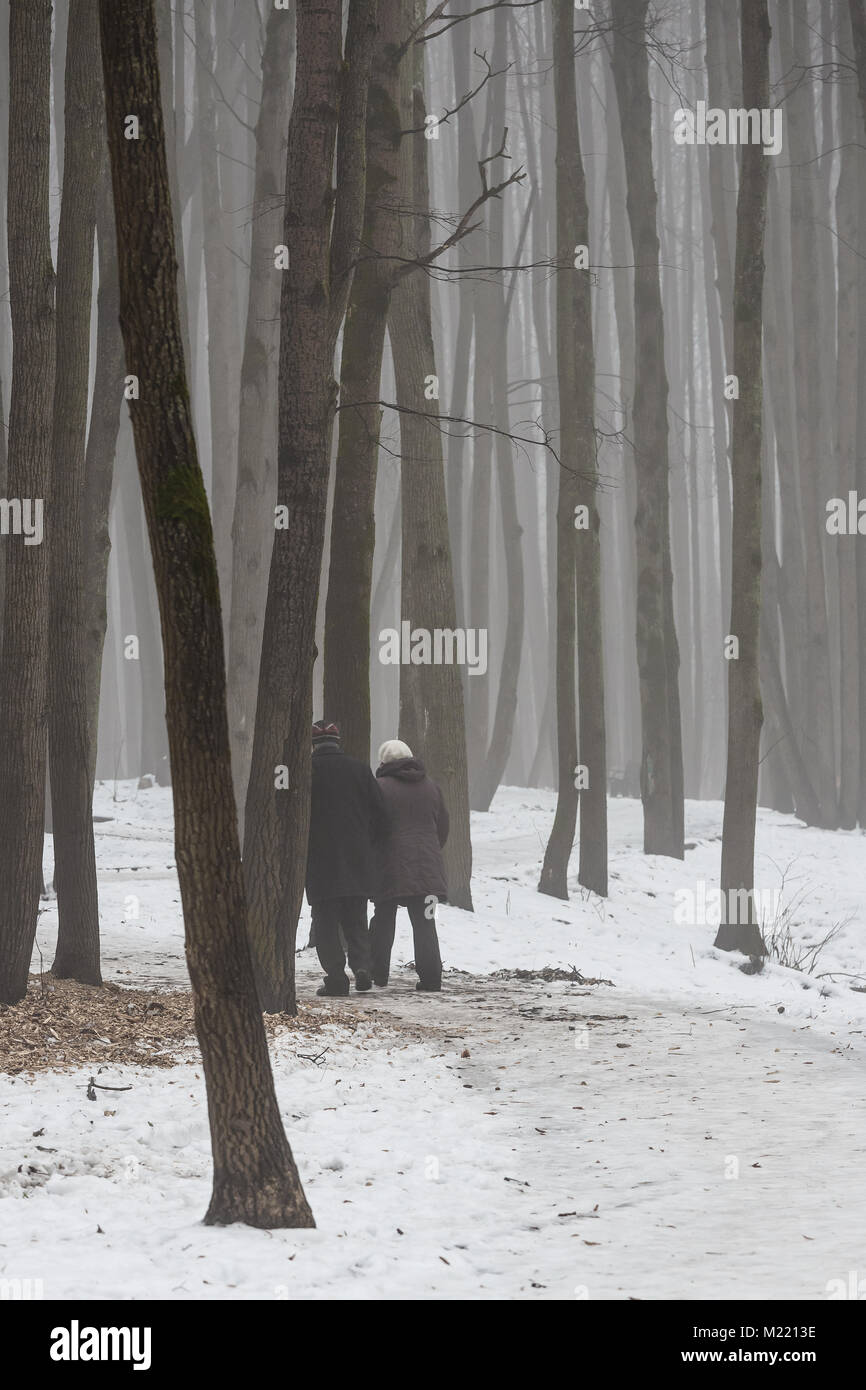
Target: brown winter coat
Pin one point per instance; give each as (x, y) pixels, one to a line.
(409, 860)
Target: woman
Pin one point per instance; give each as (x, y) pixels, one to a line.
(410, 868)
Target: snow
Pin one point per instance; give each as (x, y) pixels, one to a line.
(687, 1131)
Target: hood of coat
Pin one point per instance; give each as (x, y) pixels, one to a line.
(405, 769)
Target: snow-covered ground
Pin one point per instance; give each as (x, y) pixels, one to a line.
(685, 1131)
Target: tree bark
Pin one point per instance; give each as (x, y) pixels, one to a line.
(578, 549)
(23, 677)
(101, 451)
(253, 526)
(745, 715)
(255, 1179)
(219, 296)
(658, 655)
(70, 758)
(329, 105)
(431, 696)
(346, 692)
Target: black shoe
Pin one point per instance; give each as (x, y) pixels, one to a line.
(381, 981)
(428, 989)
(331, 991)
(363, 982)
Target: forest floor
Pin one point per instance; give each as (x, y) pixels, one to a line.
(683, 1131)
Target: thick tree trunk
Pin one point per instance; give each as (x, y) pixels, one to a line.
(23, 676)
(253, 527)
(578, 550)
(739, 929)
(70, 757)
(255, 1179)
(315, 291)
(658, 656)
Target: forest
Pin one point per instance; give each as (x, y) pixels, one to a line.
(451, 415)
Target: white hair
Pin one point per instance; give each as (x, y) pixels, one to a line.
(392, 749)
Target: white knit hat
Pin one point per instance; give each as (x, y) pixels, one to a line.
(392, 750)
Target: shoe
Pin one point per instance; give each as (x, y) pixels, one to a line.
(382, 982)
(329, 992)
(363, 982)
(428, 989)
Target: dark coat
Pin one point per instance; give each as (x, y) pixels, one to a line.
(409, 861)
(347, 817)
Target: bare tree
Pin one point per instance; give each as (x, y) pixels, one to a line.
(69, 726)
(253, 524)
(322, 233)
(578, 558)
(744, 688)
(23, 676)
(431, 697)
(255, 1179)
(658, 654)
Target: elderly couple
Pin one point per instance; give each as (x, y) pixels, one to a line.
(373, 837)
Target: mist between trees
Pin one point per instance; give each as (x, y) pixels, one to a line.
(325, 326)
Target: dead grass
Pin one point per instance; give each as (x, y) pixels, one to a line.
(62, 1024)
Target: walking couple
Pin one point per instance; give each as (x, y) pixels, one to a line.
(373, 837)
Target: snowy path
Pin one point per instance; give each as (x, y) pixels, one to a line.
(644, 1130)
(687, 1132)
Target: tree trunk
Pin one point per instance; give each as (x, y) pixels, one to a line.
(658, 656)
(848, 338)
(431, 696)
(255, 1179)
(811, 426)
(489, 773)
(315, 291)
(101, 451)
(70, 757)
(578, 550)
(738, 930)
(346, 693)
(219, 294)
(253, 527)
(23, 677)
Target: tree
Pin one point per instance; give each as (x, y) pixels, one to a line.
(350, 570)
(23, 677)
(578, 558)
(657, 651)
(101, 449)
(69, 725)
(322, 232)
(253, 524)
(255, 1179)
(744, 688)
(221, 310)
(431, 696)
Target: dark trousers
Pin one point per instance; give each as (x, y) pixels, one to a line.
(428, 961)
(329, 916)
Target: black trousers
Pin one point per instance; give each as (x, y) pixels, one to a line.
(428, 961)
(350, 914)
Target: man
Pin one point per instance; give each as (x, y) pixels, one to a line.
(347, 818)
